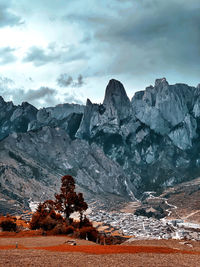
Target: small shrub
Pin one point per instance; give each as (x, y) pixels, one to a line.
(8, 224)
(86, 223)
(48, 223)
(88, 232)
(69, 230)
(59, 229)
(45, 218)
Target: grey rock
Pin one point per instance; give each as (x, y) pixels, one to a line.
(62, 111)
(116, 101)
(65, 116)
(159, 126)
(34, 162)
(148, 143)
(15, 118)
(106, 117)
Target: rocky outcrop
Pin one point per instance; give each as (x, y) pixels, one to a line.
(157, 132)
(65, 116)
(107, 117)
(25, 117)
(62, 111)
(164, 106)
(116, 101)
(15, 118)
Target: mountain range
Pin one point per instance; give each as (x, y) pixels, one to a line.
(115, 150)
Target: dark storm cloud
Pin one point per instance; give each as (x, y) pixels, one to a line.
(7, 17)
(65, 80)
(79, 82)
(46, 94)
(41, 97)
(39, 93)
(11, 92)
(7, 55)
(40, 56)
(147, 36)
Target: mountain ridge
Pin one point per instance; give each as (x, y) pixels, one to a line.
(150, 140)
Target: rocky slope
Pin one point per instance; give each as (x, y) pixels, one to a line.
(186, 199)
(155, 135)
(118, 148)
(32, 164)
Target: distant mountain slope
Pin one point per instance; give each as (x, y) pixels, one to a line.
(32, 164)
(25, 117)
(186, 197)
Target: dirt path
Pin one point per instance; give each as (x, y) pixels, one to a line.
(151, 196)
(191, 214)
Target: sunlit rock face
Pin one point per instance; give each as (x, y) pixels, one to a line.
(164, 106)
(116, 101)
(107, 117)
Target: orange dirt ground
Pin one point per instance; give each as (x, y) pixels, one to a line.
(52, 251)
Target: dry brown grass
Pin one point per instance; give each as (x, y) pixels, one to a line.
(51, 251)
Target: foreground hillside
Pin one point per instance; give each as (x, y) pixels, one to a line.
(52, 251)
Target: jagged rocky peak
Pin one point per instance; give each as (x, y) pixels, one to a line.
(25, 110)
(2, 102)
(116, 100)
(88, 102)
(161, 82)
(115, 93)
(15, 118)
(91, 118)
(25, 104)
(108, 116)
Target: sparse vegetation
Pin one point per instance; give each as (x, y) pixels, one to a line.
(8, 223)
(53, 218)
(49, 215)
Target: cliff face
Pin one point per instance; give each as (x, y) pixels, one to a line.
(118, 148)
(155, 136)
(169, 109)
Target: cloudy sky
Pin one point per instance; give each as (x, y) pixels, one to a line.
(56, 51)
